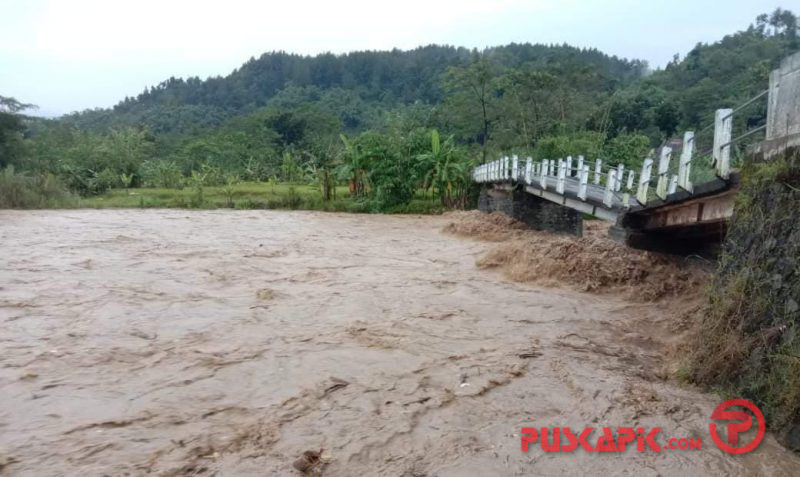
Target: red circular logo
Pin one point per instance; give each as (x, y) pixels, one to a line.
(744, 423)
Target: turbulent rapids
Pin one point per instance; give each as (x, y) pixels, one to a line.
(273, 343)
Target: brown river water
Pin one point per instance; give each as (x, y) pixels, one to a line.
(174, 342)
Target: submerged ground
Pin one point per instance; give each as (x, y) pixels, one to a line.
(217, 342)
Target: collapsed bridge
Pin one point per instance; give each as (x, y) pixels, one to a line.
(673, 205)
(554, 195)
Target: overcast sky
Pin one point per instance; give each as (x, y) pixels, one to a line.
(71, 55)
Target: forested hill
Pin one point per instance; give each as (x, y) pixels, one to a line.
(360, 88)
(711, 76)
(383, 78)
(388, 123)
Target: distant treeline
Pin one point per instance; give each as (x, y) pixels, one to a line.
(372, 120)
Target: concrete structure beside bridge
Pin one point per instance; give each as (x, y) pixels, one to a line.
(783, 110)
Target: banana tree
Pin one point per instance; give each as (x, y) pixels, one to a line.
(354, 167)
(447, 171)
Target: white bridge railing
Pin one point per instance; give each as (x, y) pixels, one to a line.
(614, 181)
(554, 174)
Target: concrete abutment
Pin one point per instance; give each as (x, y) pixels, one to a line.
(537, 213)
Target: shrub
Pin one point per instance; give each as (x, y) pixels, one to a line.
(20, 191)
(158, 173)
(589, 144)
(628, 149)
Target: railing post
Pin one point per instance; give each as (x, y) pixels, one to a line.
(663, 172)
(644, 181)
(500, 169)
(569, 166)
(626, 197)
(528, 170)
(620, 176)
(611, 183)
(685, 167)
(543, 166)
(562, 173)
(723, 125)
(598, 168)
(673, 185)
(583, 174)
(514, 168)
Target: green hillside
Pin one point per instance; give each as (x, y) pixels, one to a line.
(365, 119)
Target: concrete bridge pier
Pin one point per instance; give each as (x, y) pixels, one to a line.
(536, 212)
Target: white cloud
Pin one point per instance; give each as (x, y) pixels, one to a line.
(72, 54)
(100, 28)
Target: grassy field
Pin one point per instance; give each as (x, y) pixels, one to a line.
(249, 195)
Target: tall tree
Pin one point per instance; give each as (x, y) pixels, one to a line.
(475, 86)
(11, 129)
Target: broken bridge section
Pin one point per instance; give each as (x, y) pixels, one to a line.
(665, 205)
(647, 213)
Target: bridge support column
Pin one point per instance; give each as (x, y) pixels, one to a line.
(537, 213)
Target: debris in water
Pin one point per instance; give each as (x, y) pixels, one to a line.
(533, 353)
(145, 336)
(337, 384)
(6, 462)
(265, 294)
(311, 462)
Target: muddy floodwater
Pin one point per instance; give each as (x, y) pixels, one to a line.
(174, 342)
